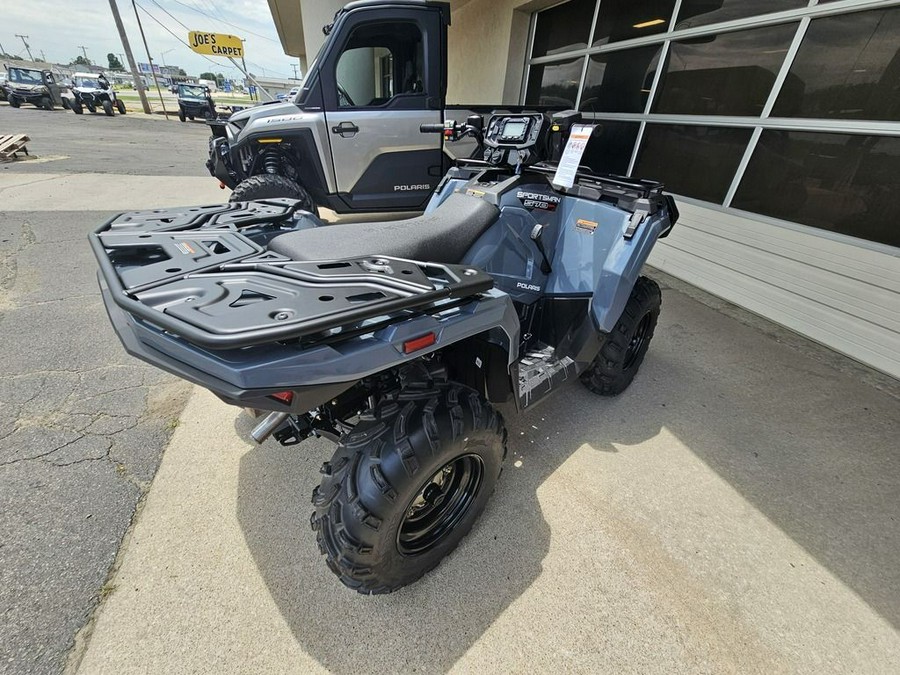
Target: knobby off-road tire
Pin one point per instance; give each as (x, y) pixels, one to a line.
(76, 107)
(14, 101)
(46, 103)
(108, 108)
(430, 454)
(120, 106)
(270, 185)
(624, 349)
(181, 115)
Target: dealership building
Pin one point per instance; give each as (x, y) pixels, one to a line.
(776, 123)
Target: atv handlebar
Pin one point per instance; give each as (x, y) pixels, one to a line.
(453, 131)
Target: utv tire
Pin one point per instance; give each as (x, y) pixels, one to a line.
(270, 185)
(46, 103)
(14, 101)
(622, 353)
(76, 108)
(191, 118)
(108, 108)
(91, 107)
(407, 484)
(181, 116)
(120, 106)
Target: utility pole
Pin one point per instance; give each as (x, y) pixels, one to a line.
(27, 48)
(294, 66)
(84, 51)
(138, 82)
(43, 57)
(149, 59)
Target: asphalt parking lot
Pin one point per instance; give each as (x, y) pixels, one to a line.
(734, 511)
(84, 425)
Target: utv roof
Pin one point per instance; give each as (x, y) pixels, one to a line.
(85, 74)
(381, 4)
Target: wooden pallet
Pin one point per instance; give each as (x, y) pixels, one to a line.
(10, 144)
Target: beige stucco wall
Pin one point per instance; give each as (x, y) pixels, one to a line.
(488, 43)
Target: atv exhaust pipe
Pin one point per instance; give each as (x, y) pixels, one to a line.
(269, 424)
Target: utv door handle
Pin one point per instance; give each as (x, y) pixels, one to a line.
(345, 129)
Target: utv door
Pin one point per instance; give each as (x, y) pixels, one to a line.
(379, 85)
(53, 88)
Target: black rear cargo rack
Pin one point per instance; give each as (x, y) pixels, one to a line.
(214, 287)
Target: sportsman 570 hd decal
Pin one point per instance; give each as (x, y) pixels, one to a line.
(538, 200)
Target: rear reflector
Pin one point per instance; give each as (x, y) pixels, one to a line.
(418, 343)
(284, 396)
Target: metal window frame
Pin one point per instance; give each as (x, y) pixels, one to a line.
(803, 15)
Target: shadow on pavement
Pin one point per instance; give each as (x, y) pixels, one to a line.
(811, 449)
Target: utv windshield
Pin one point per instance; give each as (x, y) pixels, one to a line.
(191, 92)
(25, 76)
(87, 83)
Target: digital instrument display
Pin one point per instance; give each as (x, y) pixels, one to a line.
(514, 130)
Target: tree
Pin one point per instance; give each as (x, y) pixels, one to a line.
(80, 61)
(181, 72)
(207, 76)
(114, 63)
(11, 57)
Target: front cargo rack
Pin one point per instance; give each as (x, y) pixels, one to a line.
(193, 273)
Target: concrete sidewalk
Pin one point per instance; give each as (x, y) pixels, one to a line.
(735, 511)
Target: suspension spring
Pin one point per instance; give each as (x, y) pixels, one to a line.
(272, 162)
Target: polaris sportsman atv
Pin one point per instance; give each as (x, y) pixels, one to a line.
(401, 341)
(194, 100)
(30, 85)
(93, 91)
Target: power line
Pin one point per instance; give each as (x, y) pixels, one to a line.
(209, 16)
(169, 31)
(170, 14)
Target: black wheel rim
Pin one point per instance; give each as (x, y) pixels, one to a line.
(638, 339)
(441, 504)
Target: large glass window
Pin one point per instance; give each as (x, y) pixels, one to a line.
(704, 12)
(848, 66)
(693, 161)
(554, 83)
(846, 70)
(840, 182)
(727, 74)
(620, 81)
(627, 19)
(610, 147)
(563, 28)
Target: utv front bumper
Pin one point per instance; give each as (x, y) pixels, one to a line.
(219, 162)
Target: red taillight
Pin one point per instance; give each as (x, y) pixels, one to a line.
(418, 343)
(285, 397)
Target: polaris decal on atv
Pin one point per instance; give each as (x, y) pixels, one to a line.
(537, 200)
(423, 186)
(528, 287)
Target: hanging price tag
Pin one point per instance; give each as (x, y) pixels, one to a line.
(571, 157)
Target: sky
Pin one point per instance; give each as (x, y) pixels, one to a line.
(60, 27)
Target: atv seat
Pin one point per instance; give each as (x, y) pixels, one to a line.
(442, 236)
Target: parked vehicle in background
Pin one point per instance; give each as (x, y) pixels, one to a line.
(93, 91)
(3, 83)
(34, 86)
(195, 100)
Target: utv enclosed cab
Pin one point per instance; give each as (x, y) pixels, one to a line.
(195, 101)
(30, 85)
(350, 141)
